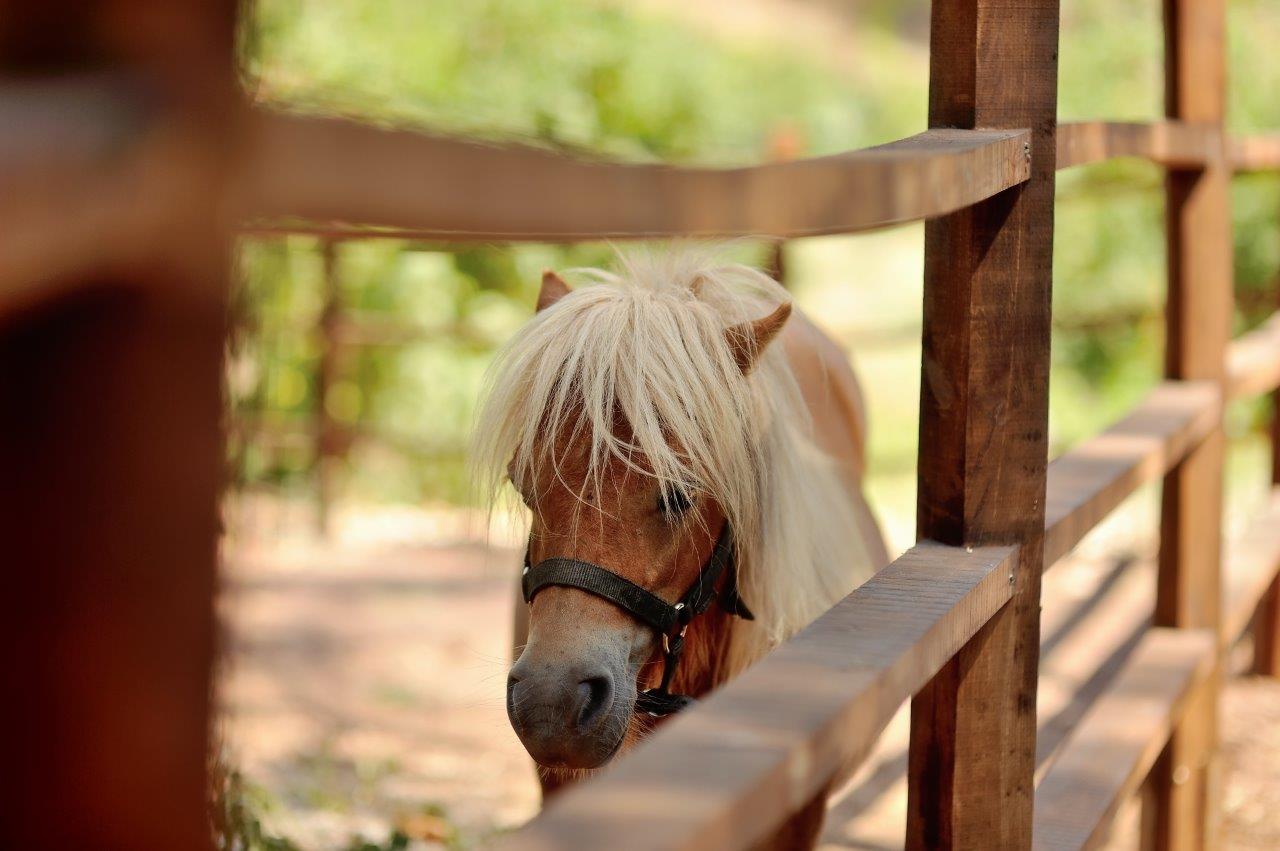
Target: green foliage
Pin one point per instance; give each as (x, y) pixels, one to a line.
(592, 75)
(236, 807)
(233, 812)
(1109, 244)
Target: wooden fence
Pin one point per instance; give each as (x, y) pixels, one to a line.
(129, 159)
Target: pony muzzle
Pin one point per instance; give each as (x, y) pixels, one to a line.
(571, 714)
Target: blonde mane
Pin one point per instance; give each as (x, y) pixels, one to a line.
(648, 342)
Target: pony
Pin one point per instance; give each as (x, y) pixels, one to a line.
(638, 415)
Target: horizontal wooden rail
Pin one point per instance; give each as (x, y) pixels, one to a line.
(92, 172)
(916, 178)
(1253, 361)
(1110, 753)
(1089, 481)
(1170, 143)
(729, 771)
(1250, 566)
(1093, 617)
(1256, 153)
(1087, 638)
(325, 169)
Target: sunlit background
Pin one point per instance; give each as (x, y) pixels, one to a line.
(367, 600)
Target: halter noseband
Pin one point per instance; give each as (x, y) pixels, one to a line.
(668, 620)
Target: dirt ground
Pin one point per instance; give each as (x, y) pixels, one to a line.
(364, 690)
(364, 685)
(1251, 757)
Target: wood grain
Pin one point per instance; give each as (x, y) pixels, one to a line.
(1086, 483)
(1198, 317)
(465, 190)
(733, 768)
(1117, 742)
(1253, 361)
(1171, 143)
(984, 422)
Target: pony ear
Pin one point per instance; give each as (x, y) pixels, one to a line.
(553, 289)
(749, 339)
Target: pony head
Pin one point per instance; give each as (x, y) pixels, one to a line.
(630, 416)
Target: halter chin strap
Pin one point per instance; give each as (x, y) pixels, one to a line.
(668, 620)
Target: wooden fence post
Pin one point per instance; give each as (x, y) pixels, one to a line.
(325, 430)
(1198, 318)
(111, 445)
(984, 400)
(1266, 627)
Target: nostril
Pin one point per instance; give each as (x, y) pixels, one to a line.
(595, 695)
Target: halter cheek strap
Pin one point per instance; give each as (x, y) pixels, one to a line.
(668, 620)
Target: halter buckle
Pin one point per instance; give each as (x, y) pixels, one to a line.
(667, 637)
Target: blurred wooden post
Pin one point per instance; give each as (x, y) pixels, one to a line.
(984, 402)
(1198, 318)
(785, 144)
(777, 262)
(112, 459)
(1266, 626)
(326, 432)
(1266, 634)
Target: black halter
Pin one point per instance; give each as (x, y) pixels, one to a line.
(669, 620)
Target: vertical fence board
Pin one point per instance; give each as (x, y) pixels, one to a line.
(1266, 634)
(325, 432)
(112, 459)
(1198, 321)
(1266, 628)
(984, 417)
